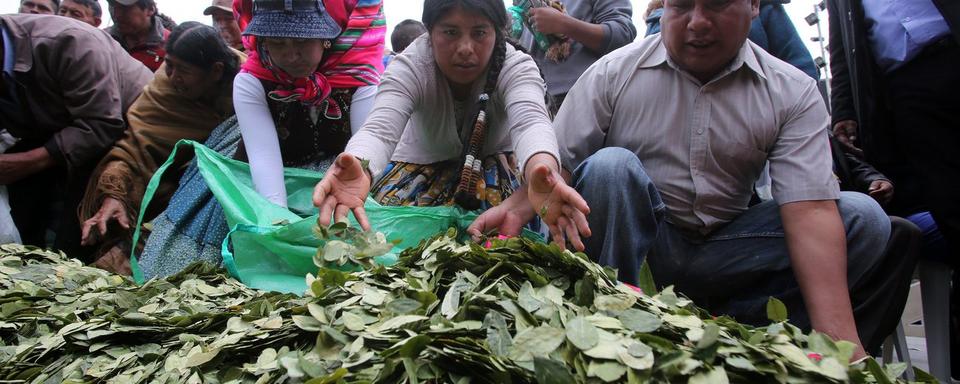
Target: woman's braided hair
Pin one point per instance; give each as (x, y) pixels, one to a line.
(472, 170)
(202, 46)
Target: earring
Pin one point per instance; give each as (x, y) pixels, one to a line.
(327, 44)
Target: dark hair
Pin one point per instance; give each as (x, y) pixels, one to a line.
(56, 4)
(94, 6)
(202, 46)
(405, 33)
(167, 21)
(142, 4)
(494, 10)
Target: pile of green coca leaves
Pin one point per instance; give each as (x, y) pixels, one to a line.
(516, 312)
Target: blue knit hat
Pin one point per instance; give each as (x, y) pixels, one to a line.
(295, 19)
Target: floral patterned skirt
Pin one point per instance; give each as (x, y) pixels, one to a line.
(426, 185)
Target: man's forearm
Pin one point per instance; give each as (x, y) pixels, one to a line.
(588, 34)
(816, 241)
(16, 166)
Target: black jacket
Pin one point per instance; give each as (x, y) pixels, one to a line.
(857, 90)
(858, 93)
(854, 173)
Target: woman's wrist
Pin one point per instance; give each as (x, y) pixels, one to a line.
(544, 158)
(365, 165)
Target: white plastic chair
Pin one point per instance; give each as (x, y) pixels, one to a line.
(935, 280)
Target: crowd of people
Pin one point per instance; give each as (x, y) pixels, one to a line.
(705, 148)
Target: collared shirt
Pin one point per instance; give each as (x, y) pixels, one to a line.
(898, 30)
(703, 145)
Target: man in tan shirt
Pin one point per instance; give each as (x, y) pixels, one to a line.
(665, 138)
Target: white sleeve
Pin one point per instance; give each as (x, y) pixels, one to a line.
(360, 106)
(259, 138)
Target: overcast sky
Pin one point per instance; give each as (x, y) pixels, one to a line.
(397, 10)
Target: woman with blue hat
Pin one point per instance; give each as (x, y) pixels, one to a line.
(291, 103)
(309, 82)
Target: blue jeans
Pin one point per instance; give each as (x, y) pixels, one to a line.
(735, 269)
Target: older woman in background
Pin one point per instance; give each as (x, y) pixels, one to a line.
(190, 96)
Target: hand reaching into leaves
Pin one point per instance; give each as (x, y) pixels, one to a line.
(507, 219)
(110, 210)
(344, 188)
(559, 205)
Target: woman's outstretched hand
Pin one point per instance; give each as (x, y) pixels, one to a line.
(344, 188)
(507, 219)
(559, 205)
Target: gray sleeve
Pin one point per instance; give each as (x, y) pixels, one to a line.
(616, 18)
(394, 103)
(584, 119)
(527, 119)
(801, 165)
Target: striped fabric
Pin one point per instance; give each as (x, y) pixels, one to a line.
(356, 58)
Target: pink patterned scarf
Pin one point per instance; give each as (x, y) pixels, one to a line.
(354, 60)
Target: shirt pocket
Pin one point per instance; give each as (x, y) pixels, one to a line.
(738, 159)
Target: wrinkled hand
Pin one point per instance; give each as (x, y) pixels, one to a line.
(111, 210)
(560, 207)
(343, 189)
(846, 133)
(547, 20)
(508, 218)
(881, 191)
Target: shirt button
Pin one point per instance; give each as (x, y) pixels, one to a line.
(907, 19)
(700, 131)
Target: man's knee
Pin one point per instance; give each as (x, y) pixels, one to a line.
(606, 163)
(867, 225)
(611, 168)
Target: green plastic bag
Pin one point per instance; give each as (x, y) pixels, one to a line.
(272, 247)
